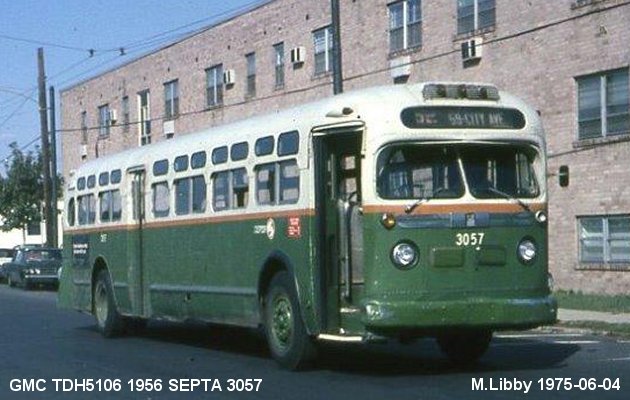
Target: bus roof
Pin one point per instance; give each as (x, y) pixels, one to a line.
(376, 106)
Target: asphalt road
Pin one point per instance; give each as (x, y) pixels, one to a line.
(47, 348)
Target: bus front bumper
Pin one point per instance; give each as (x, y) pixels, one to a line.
(485, 313)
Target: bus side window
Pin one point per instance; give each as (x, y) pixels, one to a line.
(116, 205)
(105, 200)
(182, 196)
(87, 212)
(71, 212)
(161, 206)
(265, 183)
(91, 215)
(289, 182)
(240, 188)
(220, 189)
(198, 194)
(83, 210)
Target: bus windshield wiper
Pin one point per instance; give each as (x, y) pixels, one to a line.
(509, 197)
(415, 204)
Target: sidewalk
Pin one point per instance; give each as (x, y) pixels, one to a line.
(566, 315)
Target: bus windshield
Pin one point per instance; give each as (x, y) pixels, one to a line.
(499, 171)
(419, 172)
(429, 171)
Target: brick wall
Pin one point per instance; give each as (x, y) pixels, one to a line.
(540, 66)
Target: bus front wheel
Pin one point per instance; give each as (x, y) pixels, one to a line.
(465, 348)
(289, 343)
(109, 322)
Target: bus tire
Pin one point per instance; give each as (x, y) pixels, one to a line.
(465, 348)
(108, 321)
(289, 343)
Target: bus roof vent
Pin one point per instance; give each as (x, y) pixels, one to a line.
(434, 91)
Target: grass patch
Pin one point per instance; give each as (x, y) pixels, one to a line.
(622, 330)
(593, 302)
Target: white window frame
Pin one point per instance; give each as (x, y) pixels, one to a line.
(278, 63)
(328, 48)
(103, 120)
(171, 99)
(605, 240)
(250, 78)
(476, 27)
(214, 81)
(406, 22)
(144, 118)
(603, 95)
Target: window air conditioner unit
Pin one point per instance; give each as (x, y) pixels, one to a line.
(471, 49)
(113, 117)
(169, 128)
(298, 54)
(229, 77)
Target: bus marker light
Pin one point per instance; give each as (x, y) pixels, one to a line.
(541, 217)
(388, 220)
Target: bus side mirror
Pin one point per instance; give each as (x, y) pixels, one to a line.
(563, 176)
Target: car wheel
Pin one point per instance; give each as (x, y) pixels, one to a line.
(288, 341)
(109, 322)
(465, 348)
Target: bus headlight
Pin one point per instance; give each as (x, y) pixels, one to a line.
(405, 255)
(526, 251)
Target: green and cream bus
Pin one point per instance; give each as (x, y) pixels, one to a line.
(392, 212)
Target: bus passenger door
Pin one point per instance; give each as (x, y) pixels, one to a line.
(340, 233)
(135, 270)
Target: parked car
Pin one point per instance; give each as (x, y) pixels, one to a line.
(33, 266)
(6, 255)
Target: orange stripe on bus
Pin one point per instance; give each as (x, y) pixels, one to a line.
(195, 221)
(424, 209)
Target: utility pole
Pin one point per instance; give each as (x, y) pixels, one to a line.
(53, 170)
(336, 33)
(43, 120)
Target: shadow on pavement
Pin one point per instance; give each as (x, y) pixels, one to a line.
(419, 358)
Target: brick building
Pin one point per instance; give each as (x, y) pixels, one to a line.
(568, 58)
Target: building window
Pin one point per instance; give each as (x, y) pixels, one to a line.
(475, 15)
(603, 105)
(278, 62)
(251, 75)
(605, 240)
(126, 118)
(103, 120)
(84, 127)
(144, 117)
(34, 228)
(171, 99)
(323, 43)
(405, 25)
(214, 86)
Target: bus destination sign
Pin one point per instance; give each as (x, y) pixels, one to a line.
(451, 117)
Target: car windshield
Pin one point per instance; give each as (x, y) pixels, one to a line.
(432, 171)
(419, 172)
(43, 255)
(500, 171)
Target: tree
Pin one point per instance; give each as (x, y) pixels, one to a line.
(22, 190)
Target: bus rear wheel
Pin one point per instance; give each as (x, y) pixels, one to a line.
(465, 348)
(109, 322)
(289, 343)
